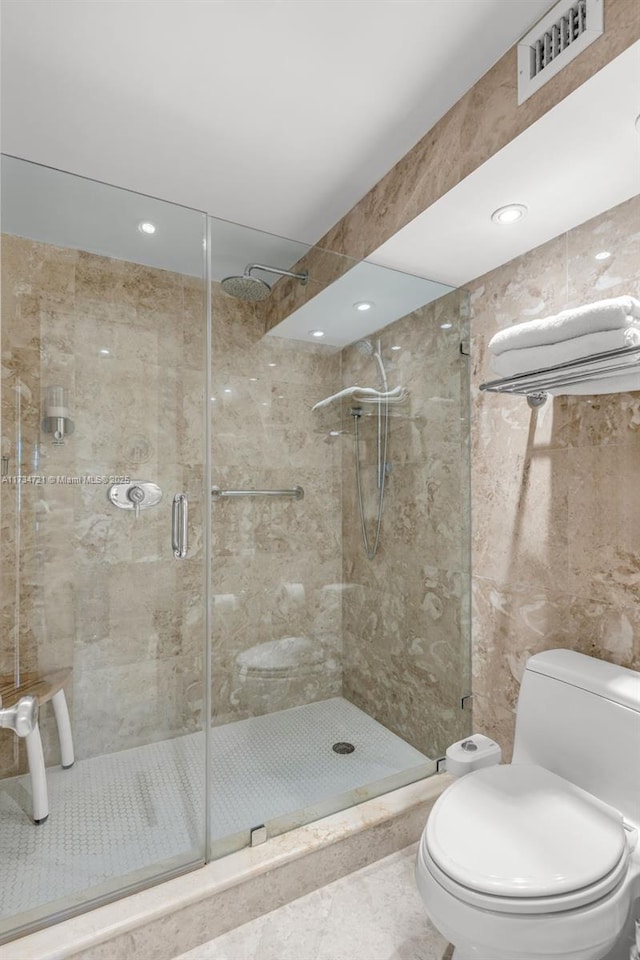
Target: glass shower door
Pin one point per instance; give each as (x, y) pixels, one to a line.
(103, 565)
(338, 672)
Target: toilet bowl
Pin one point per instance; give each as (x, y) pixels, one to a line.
(539, 859)
(277, 674)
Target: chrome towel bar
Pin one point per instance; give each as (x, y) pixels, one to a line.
(295, 493)
(598, 366)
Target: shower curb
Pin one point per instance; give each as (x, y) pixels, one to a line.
(168, 919)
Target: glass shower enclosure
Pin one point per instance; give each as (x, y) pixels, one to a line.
(183, 512)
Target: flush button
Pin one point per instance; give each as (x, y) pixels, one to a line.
(469, 745)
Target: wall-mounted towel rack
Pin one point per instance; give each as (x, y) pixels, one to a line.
(295, 493)
(535, 384)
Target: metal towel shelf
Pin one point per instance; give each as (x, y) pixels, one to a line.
(295, 493)
(534, 384)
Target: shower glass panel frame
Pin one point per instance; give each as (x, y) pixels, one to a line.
(277, 674)
(304, 622)
(118, 319)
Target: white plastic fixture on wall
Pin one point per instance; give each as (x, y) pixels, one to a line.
(562, 34)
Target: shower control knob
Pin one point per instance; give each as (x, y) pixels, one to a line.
(135, 495)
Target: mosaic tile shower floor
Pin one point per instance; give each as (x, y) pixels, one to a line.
(113, 815)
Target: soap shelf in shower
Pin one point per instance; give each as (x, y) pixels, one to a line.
(535, 384)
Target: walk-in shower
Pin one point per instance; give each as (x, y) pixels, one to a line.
(190, 573)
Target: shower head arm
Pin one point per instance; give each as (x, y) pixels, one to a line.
(302, 277)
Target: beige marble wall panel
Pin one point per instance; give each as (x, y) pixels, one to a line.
(603, 524)
(509, 626)
(406, 626)
(480, 124)
(97, 590)
(519, 533)
(555, 506)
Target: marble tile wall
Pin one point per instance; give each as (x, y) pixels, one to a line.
(102, 593)
(406, 620)
(556, 503)
(86, 585)
(277, 563)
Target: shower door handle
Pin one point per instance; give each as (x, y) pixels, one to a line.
(180, 526)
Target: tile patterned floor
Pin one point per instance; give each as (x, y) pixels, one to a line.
(113, 815)
(373, 914)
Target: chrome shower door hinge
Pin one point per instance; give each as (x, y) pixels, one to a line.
(258, 835)
(466, 701)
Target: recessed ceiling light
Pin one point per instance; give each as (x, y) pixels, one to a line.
(396, 348)
(145, 226)
(316, 333)
(603, 255)
(363, 305)
(446, 326)
(509, 214)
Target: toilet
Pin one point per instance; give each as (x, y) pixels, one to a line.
(539, 858)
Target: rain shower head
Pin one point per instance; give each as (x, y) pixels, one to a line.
(246, 288)
(253, 289)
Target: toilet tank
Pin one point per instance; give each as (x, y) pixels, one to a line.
(580, 718)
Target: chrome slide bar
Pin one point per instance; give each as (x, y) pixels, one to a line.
(295, 493)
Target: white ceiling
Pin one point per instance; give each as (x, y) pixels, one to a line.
(579, 159)
(224, 127)
(280, 114)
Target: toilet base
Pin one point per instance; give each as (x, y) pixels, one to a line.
(621, 951)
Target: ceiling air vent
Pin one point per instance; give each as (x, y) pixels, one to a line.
(565, 31)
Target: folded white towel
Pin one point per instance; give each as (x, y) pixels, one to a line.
(364, 393)
(513, 362)
(611, 314)
(622, 383)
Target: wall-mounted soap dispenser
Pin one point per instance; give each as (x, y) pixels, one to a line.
(56, 418)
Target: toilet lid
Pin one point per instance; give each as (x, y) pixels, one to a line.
(519, 830)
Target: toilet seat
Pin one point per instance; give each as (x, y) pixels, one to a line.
(524, 905)
(520, 839)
